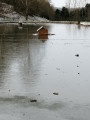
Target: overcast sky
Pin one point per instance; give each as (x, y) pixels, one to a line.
(61, 3)
(58, 3)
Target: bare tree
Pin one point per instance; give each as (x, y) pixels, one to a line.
(76, 5)
(26, 4)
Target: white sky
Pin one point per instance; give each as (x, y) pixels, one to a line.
(58, 3)
(61, 3)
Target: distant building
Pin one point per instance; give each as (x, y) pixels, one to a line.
(42, 31)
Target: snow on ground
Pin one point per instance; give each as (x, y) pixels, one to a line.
(7, 13)
(85, 23)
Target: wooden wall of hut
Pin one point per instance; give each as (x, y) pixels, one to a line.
(43, 32)
(43, 37)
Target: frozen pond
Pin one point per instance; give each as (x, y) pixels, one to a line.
(34, 69)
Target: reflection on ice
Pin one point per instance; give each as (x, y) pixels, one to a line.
(47, 72)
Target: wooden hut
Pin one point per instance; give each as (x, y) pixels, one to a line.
(42, 31)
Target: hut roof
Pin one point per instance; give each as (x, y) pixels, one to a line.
(40, 28)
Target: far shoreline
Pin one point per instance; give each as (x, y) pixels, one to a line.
(30, 22)
(82, 23)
